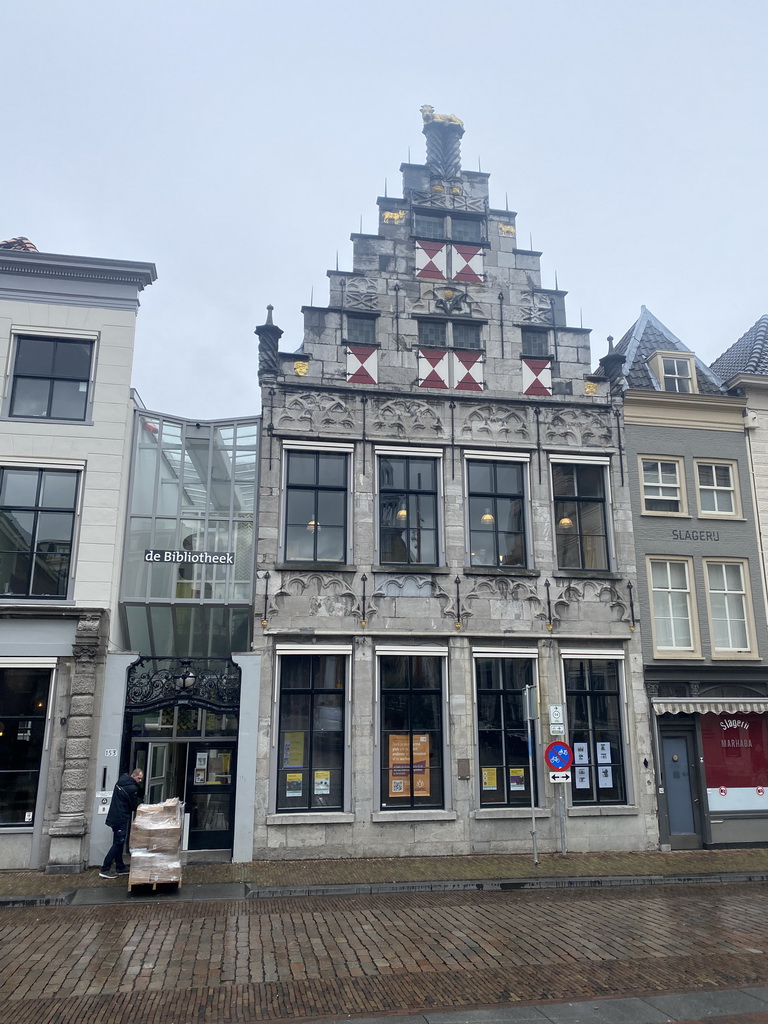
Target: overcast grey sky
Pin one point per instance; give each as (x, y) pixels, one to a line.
(236, 144)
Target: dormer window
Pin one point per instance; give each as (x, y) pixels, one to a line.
(675, 372)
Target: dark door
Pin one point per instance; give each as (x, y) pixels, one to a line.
(210, 796)
(681, 789)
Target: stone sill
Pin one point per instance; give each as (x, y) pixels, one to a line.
(602, 812)
(315, 566)
(490, 570)
(415, 570)
(586, 574)
(17, 830)
(382, 817)
(486, 813)
(311, 818)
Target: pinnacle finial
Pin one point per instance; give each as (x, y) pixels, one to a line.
(270, 307)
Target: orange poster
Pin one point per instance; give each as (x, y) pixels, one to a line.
(400, 765)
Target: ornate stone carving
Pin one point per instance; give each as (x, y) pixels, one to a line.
(212, 683)
(325, 596)
(448, 199)
(361, 293)
(579, 427)
(584, 599)
(269, 335)
(505, 588)
(407, 585)
(533, 308)
(410, 418)
(315, 411)
(492, 422)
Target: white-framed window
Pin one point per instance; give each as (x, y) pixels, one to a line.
(663, 485)
(409, 491)
(580, 500)
(52, 375)
(675, 372)
(730, 612)
(716, 489)
(317, 494)
(675, 630)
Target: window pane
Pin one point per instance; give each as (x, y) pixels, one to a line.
(19, 487)
(535, 343)
(59, 490)
(361, 330)
(34, 356)
(30, 397)
(466, 335)
(302, 468)
(332, 470)
(464, 229)
(427, 225)
(72, 359)
(432, 333)
(69, 399)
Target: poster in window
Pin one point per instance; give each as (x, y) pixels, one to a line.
(201, 759)
(322, 783)
(399, 765)
(580, 753)
(516, 779)
(489, 779)
(603, 753)
(293, 750)
(582, 777)
(421, 765)
(200, 776)
(293, 784)
(605, 777)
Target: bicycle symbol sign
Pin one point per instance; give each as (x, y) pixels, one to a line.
(558, 756)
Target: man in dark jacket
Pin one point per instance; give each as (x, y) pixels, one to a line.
(126, 797)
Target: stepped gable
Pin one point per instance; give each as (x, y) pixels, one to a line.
(748, 355)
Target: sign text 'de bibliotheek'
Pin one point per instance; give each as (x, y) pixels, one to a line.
(191, 557)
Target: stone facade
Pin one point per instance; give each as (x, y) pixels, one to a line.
(442, 346)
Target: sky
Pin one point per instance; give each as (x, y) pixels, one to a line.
(237, 144)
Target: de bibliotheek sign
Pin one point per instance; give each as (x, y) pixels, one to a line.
(191, 557)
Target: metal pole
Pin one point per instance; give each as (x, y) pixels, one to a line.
(561, 814)
(529, 710)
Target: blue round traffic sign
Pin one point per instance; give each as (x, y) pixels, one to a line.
(558, 756)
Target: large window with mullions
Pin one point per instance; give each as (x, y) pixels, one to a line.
(408, 492)
(502, 731)
(496, 513)
(310, 770)
(593, 694)
(316, 506)
(37, 521)
(411, 688)
(51, 378)
(581, 524)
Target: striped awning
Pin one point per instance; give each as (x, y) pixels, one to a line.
(714, 705)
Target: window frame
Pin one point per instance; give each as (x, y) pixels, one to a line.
(50, 666)
(680, 652)
(318, 448)
(75, 467)
(449, 342)
(436, 455)
(582, 462)
(733, 467)
(679, 462)
(447, 219)
(619, 696)
(358, 318)
(442, 746)
(524, 461)
(732, 653)
(19, 333)
(539, 332)
(498, 656)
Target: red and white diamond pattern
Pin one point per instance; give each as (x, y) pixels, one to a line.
(467, 263)
(468, 371)
(362, 364)
(431, 260)
(537, 377)
(434, 368)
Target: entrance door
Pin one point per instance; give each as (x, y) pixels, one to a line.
(210, 796)
(677, 748)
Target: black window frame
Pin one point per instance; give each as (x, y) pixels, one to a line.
(596, 690)
(541, 350)
(307, 794)
(53, 374)
(407, 699)
(421, 218)
(23, 713)
(314, 525)
(502, 731)
(572, 509)
(485, 534)
(356, 321)
(447, 334)
(402, 506)
(34, 513)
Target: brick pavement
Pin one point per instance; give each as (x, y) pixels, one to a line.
(249, 960)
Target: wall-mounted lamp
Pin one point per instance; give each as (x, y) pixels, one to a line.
(185, 678)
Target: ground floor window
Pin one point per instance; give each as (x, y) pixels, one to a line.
(23, 707)
(310, 775)
(411, 731)
(593, 693)
(505, 778)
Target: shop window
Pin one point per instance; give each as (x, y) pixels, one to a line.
(502, 741)
(408, 510)
(316, 506)
(411, 732)
(496, 513)
(729, 608)
(593, 694)
(51, 378)
(310, 770)
(735, 749)
(37, 518)
(662, 486)
(535, 343)
(717, 493)
(361, 330)
(672, 605)
(580, 516)
(23, 707)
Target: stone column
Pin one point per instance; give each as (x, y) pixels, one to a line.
(69, 827)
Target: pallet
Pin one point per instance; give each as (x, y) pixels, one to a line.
(144, 888)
